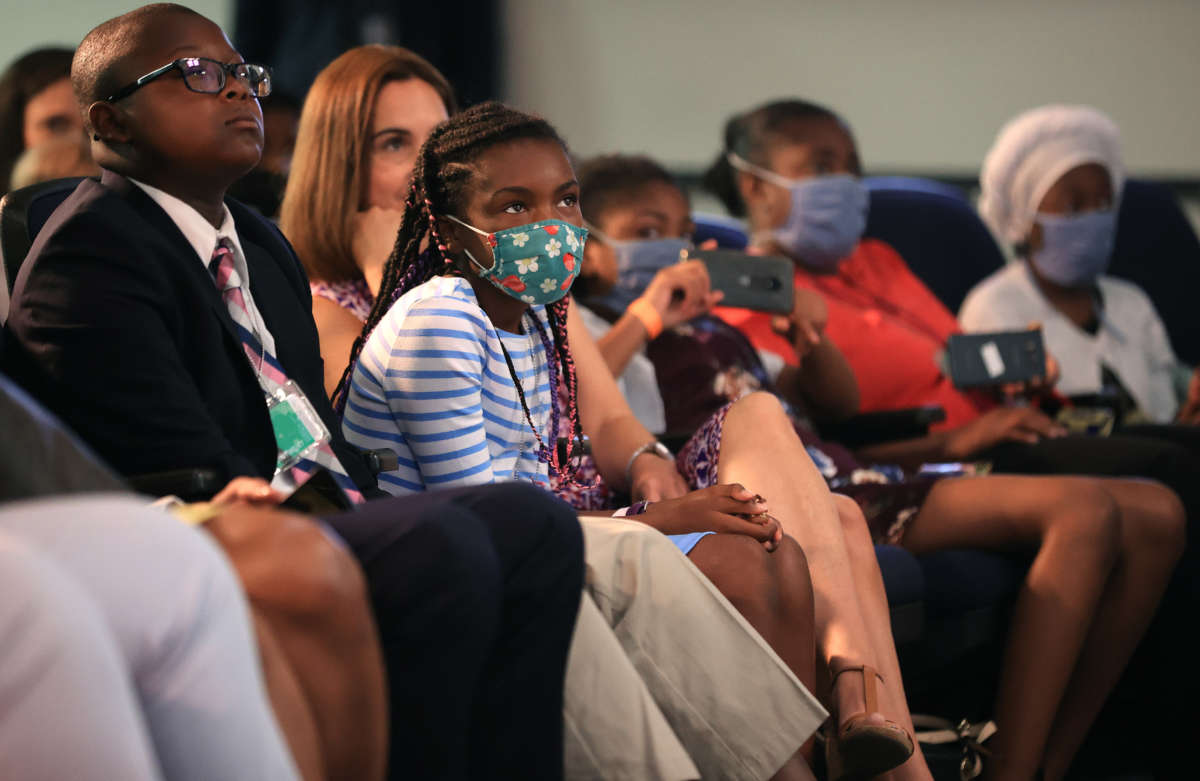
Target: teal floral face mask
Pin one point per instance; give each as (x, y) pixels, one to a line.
(535, 263)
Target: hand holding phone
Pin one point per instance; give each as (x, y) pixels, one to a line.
(996, 359)
(681, 292)
(805, 327)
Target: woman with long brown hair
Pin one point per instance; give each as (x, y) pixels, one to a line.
(364, 119)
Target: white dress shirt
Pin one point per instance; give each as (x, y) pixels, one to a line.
(204, 237)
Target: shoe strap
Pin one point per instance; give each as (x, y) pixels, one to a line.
(869, 693)
(869, 674)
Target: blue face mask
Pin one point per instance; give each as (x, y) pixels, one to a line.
(1075, 250)
(637, 263)
(827, 218)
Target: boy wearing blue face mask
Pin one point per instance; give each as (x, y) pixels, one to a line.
(1050, 186)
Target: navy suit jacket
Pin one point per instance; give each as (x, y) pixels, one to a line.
(118, 328)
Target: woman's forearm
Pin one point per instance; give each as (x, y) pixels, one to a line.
(622, 342)
(909, 453)
(824, 383)
(613, 444)
(607, 420)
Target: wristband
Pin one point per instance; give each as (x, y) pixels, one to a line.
(636, 509)
(651, 320)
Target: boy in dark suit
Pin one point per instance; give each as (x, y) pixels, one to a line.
(159, 320)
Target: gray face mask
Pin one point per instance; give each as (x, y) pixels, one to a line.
(637, 263)
(827, 218)
(1076, 249)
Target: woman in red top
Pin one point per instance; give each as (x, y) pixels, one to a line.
(792, 168)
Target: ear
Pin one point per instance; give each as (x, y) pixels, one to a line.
(749, 187)
(449, 233)
(457, 240)
(107, 123)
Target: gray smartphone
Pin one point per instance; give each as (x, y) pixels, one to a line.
(759, 282)
(978, 360)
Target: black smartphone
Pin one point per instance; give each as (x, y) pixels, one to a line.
(759, 282)
(319, 495)
(979, 360)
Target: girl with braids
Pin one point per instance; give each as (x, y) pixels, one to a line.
(365, 117)
(459, 375)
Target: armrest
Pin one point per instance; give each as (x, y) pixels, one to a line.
(871, 428)
(382, 460)
(190, 485)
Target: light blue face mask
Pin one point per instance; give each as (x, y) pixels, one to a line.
(637, 263)
(827, 219)
(1076, 249)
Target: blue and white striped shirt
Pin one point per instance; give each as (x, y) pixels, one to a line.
(432, 384)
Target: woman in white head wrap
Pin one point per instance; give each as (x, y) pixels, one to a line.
(1051, 184)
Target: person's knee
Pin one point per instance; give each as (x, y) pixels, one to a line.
(1086, 518)
(794, 577)
(291, 565)
(763, 410)
(518, 511)
(741, 569)
(855, 530)
(1164, 524)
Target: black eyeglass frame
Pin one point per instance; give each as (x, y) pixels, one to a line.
(224, 70)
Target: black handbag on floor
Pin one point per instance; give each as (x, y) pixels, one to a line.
(954, 752)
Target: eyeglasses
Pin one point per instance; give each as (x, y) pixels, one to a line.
(201, 74)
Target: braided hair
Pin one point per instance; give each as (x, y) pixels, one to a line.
(443, 169)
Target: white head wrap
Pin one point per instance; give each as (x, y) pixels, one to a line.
(1032, 152)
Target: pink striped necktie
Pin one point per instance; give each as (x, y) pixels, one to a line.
(271, 375)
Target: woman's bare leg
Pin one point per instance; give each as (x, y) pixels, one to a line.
(1075, 527)
(774, 593)
(1153, 534)
(872, 601)
(760, 450)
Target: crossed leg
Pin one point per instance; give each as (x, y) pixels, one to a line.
(760, 450)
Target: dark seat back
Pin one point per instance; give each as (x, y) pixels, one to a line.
(728, 232)
(23, 212)
(1157, 249)
(938, 234)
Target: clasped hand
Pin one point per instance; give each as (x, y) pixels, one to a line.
(725, 509)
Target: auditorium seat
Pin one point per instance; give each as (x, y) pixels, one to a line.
(1157, 248)
(23, 212)
(728, 232)
(938, 233)
(914, 183)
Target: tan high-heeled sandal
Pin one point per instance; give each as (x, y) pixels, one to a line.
(856, 750)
